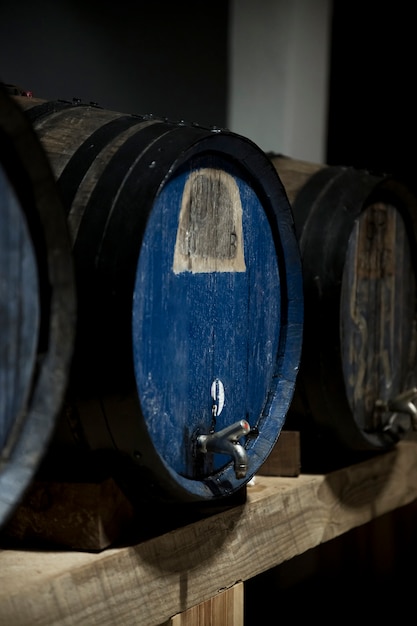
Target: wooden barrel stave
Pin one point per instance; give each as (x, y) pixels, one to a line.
(37, 304)
(357, 235)
(189, 295)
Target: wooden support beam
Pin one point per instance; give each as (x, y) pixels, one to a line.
(146, 583)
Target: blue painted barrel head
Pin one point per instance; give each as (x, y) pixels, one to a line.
(216, 322)
(190, 299)
(19, 311)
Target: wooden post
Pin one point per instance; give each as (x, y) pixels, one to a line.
(225, 609)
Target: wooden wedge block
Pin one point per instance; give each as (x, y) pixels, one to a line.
(285, 457)
(82, 516)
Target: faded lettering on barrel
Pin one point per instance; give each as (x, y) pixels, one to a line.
(209, 236)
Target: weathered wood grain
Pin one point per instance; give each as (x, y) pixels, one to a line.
(294, 173)
(154, 580)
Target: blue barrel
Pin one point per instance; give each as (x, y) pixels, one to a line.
(190, 299)
(357, 388)
(37, 304)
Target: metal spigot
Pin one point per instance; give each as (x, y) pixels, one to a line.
(226, 441)
(401, 403)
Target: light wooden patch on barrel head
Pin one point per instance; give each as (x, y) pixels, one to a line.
(209, 236)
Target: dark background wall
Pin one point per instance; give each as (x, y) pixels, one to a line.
(372, 120)
(166, 58)
(170, 58)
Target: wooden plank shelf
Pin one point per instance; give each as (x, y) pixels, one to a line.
(150, 582)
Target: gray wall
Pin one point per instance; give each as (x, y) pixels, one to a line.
(258, 67)
(279, 53)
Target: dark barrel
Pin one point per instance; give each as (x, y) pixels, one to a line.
(190, 297)
(37, 304)
(357, 236)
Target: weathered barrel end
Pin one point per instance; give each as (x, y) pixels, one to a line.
(37, 304)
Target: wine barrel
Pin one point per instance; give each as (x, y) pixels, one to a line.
(357, 235)
(37, 304)
(190, 298)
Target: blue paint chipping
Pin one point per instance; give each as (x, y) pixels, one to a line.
(190, 328)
